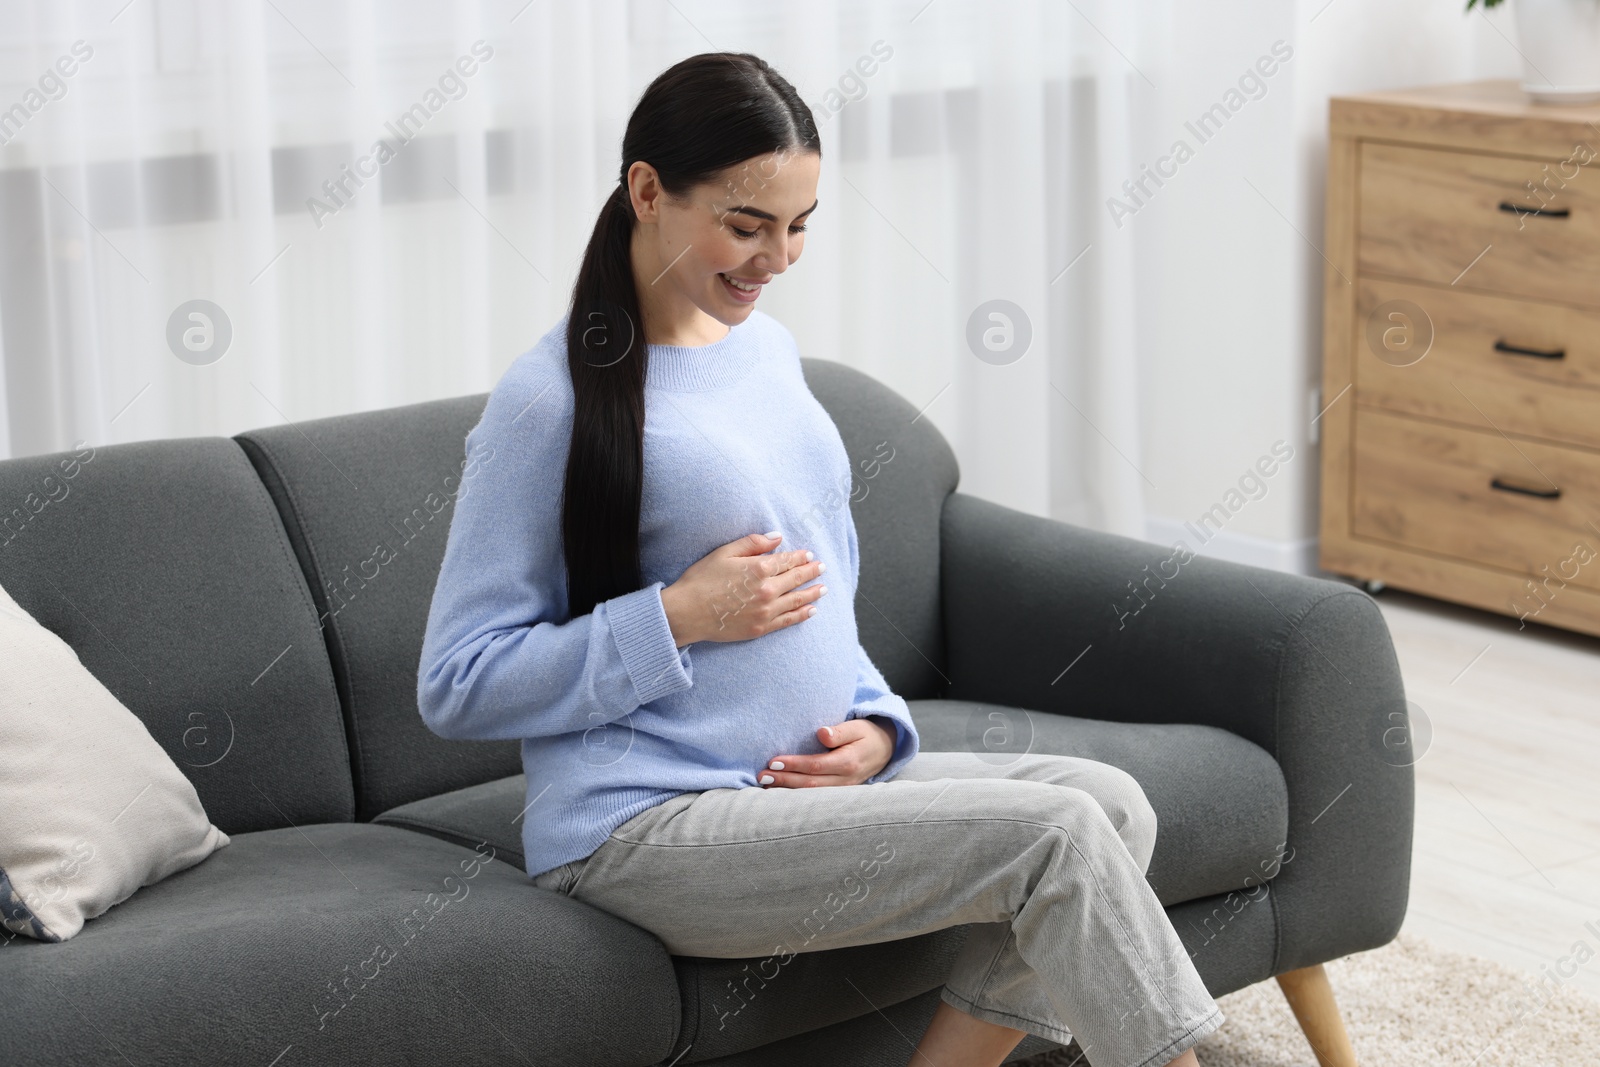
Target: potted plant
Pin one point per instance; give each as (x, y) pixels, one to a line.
(1560, 45)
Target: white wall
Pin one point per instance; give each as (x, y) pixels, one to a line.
(1230, 342)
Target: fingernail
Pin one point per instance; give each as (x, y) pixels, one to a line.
(774, 534)
(822, 590)
(821, 567)
(777, 765)
(767, 779)
(809, 557)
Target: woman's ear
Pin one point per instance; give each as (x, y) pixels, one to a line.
(644, 191)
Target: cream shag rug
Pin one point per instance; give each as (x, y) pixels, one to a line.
(1405, 1004)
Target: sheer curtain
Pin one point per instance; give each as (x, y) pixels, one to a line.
(200, 234)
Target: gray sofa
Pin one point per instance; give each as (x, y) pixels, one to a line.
(259, 602)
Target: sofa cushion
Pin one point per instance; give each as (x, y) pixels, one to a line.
(163, 564)
(491, 812)
(343, 943)
(725, 1009)
(1222, 808)
(731, 1006)
(1220, 803)
(367, 500)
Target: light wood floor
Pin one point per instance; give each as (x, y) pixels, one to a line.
(1507, 855)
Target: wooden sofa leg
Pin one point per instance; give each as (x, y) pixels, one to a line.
(1311, 998)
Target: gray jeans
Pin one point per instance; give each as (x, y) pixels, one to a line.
(1047, 852)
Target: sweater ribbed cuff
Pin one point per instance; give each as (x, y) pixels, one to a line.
(906, 742)
(644, 639)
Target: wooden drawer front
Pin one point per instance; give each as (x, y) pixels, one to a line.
(1428, 486)
(1429, 213)
(1463, 377)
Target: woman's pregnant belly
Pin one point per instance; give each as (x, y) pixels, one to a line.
(753, 700)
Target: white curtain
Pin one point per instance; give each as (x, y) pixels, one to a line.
(194, 151)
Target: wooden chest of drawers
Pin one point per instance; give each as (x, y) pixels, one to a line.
(1461, 362)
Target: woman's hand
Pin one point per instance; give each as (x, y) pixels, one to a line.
(860, 749)
(739, 591)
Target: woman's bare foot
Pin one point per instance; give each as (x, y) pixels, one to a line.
(956, 1039)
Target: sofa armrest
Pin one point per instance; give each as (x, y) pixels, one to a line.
(1043, 615)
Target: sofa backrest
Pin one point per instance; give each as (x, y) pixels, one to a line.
(903, 471)
(367, 499)
(165, 567)
(260, 602)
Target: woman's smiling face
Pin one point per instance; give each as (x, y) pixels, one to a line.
(746, 227)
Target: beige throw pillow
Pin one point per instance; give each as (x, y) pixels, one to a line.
(91, 807)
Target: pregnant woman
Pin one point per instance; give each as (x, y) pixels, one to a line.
(650, 581)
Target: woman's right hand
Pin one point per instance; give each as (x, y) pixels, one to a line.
(742, 590)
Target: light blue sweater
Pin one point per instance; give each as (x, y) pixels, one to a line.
(614, 718)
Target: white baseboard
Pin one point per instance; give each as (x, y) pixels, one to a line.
(1295, 557)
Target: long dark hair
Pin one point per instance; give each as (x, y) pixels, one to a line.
(697, 118)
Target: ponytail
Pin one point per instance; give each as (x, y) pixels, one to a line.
(608, 360)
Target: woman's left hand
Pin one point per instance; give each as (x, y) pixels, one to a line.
(860, 749)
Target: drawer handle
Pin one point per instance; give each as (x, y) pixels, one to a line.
(1518, 209)
(1542, 494)
(1539, 353)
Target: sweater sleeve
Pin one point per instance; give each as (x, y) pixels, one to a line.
(499, 660)
(873, 698)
